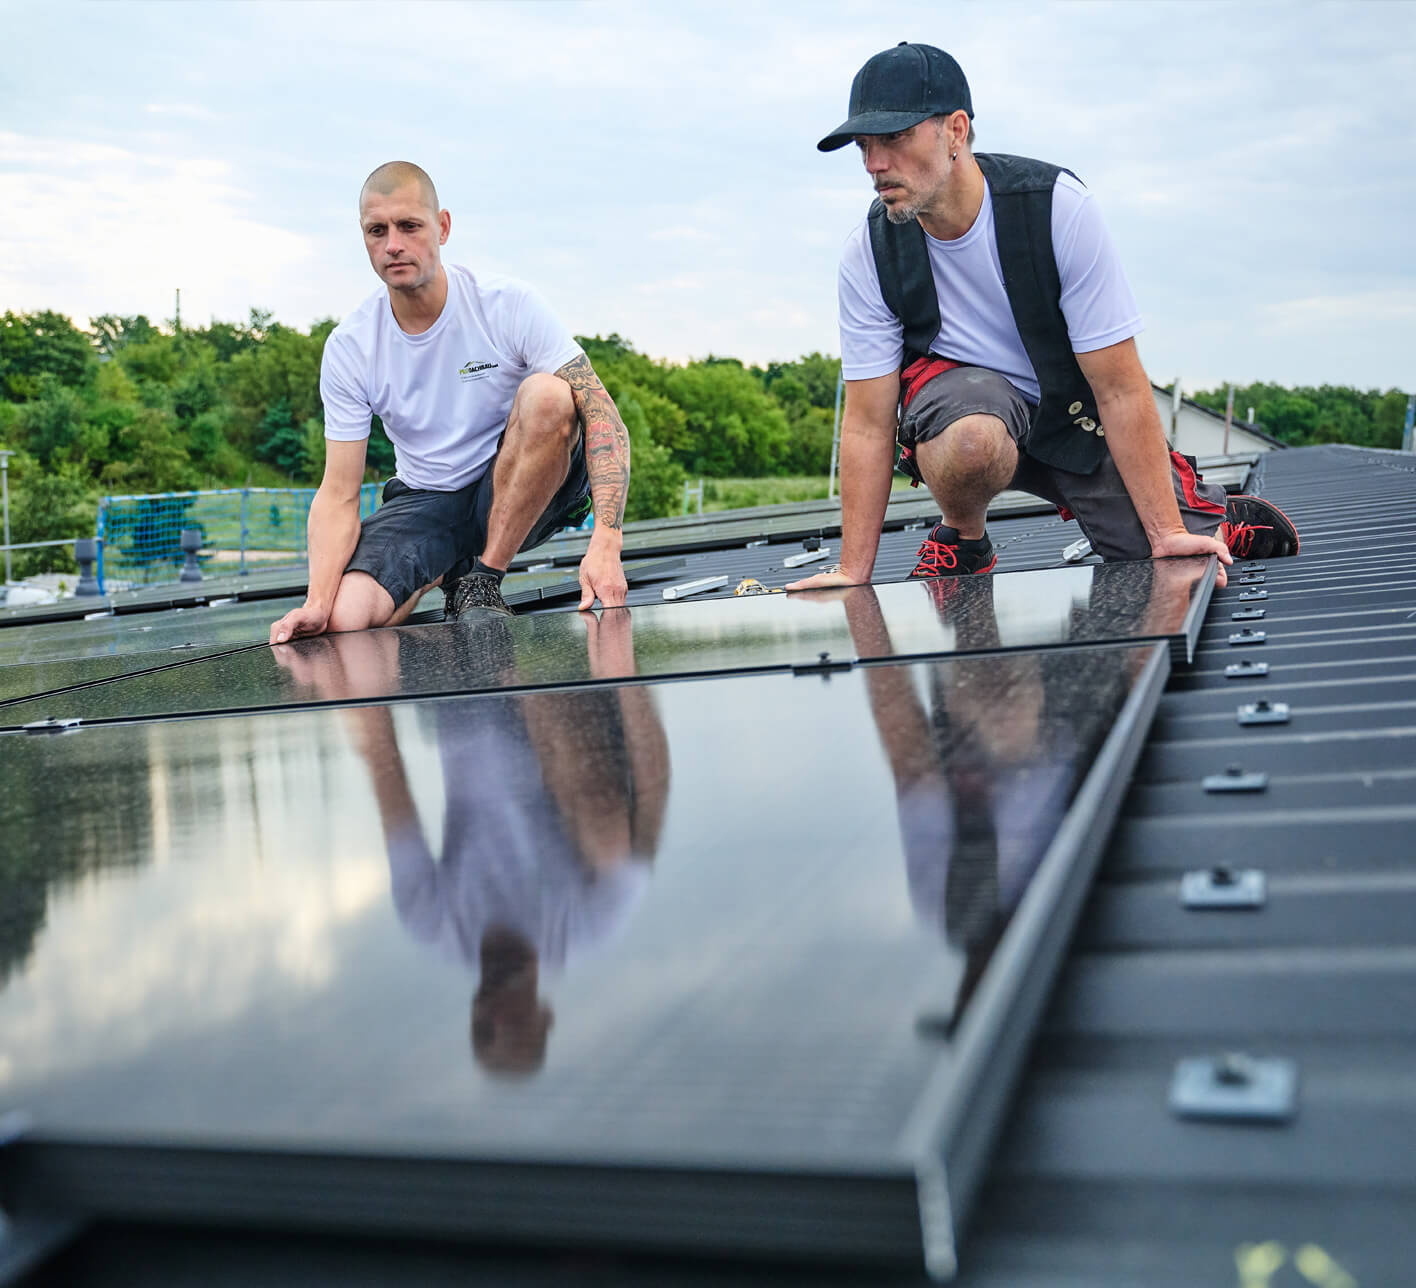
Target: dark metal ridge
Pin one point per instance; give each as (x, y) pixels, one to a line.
(1195, 618)
(957, 1121)
(29, 1236)
(869, 1215)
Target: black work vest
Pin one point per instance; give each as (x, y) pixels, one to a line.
(1066, 430)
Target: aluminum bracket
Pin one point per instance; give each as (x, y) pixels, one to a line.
(1263, 712)
(1223, 888)
(1235, 1087)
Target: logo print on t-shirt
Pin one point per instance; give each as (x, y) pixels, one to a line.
(475, 370)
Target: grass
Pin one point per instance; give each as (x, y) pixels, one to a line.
(741, 493)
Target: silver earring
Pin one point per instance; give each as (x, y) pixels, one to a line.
(953, 156)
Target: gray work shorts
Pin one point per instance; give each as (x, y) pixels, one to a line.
(418, 535)
(1099, 501)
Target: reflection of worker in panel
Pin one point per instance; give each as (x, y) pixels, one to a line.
(983, 776)
(554, 803)
(978, 791)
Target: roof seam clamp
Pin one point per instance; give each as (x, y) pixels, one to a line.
(1235, 1087)
(1245, 669)
(1263, 712)
(1248, 615)
(1249, 596)
(1247, 636)
(1223, 887)
(1253, 567)
(1252, 579)
(50, 725)
(1235, 779)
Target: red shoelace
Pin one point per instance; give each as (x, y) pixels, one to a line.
(936, 558)
(1239, 537)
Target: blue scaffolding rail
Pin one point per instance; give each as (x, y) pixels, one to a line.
(243, 530)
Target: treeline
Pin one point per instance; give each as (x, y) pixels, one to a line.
(127, 406)
(1322, 414)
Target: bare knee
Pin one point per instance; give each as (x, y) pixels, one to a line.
(544, 405)
(978, 444)
(359, 604)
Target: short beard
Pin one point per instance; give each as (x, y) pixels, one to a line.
(902, 214)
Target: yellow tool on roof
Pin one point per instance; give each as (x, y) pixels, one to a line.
(751, 586)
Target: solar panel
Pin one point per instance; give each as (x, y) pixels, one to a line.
(222, 625)
(739, 963)
(1107, 603)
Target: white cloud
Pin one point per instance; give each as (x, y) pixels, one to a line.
(1381, 307)
(594, 147)
(96, 228)
(189, 111)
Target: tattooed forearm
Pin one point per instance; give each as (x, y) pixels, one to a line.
(606, 441)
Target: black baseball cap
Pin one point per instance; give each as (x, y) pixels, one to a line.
(899, 88)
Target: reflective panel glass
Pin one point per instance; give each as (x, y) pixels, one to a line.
(1025, 610)
(731, 919)
(221, 625)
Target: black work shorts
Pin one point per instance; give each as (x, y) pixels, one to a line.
(418, 535)
(1099, 500)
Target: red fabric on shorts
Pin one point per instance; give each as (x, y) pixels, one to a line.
(1188, 478)
(920, 372)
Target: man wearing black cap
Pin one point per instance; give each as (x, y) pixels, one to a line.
(986, 322)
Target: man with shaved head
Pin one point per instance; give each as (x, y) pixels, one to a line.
(502, 432)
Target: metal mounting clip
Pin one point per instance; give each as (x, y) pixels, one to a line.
(1234, 779)
(1263, 712)
(1223, 888)
(1235, 1086)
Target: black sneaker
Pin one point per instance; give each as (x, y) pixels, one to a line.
(1256, 529)
(946, 554)
(476, 590)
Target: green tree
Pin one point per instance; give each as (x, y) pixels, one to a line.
(149, 454)
(47, 504)
(280, 441)
(112, 332)
(36, 345)
(50, 426)
(655, 478)
(733, 426)
(380, 461)
(815, 373)
(1321, 414)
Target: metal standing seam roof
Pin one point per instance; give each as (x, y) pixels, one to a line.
(1096, 1181)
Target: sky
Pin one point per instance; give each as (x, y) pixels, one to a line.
(652, 169)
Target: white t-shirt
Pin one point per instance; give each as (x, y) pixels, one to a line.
(507, 859)
(443, 396)
(976, 320)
